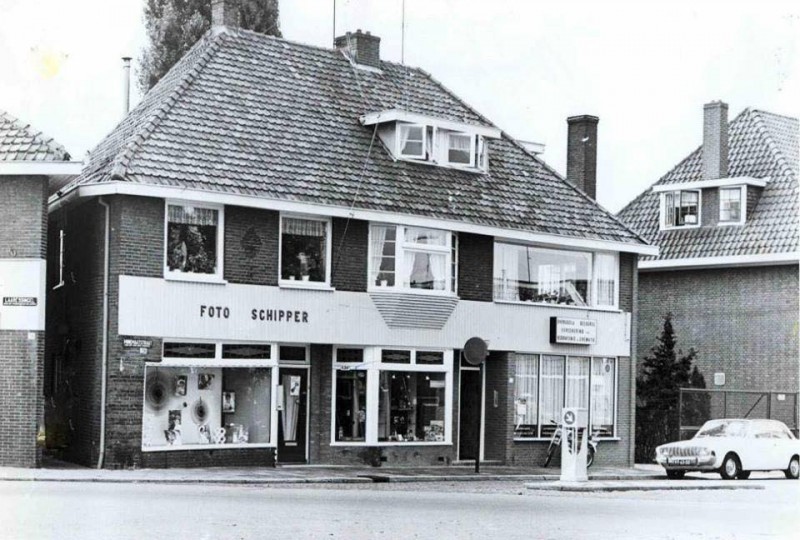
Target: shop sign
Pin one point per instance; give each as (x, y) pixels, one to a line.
(573, 331)
(137, 343)
(20, 301)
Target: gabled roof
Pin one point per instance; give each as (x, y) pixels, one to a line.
(761, 145)
(20, 142)
(248, 114)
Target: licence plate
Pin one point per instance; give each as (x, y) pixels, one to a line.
(682, 461)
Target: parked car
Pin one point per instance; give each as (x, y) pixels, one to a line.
(734, 448)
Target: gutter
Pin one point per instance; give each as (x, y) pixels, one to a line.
(104, 359)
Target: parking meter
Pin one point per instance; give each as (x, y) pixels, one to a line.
(574, 423)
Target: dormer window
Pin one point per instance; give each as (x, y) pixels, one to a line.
(681, 209)
(460, 149)
(412, 141)
(730, 205)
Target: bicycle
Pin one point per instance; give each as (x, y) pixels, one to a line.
(555, 442)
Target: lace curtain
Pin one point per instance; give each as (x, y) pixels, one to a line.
(605, 268)
(603, 392)
(377, 243)
(526, 396)
(552, 389)
(192, 215)
(304, 227)
(577, 383)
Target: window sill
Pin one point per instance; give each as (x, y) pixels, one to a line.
(681, 227)
(195, 278)
(421, 292)
(392, 443)
(205, 447)
(306, 285)
(548, 439)
(564, 306)
(730, 223)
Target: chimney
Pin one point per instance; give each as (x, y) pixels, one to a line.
(224, 13)
(126, 83)
(582, 153)
(715, 140)
(362, 47)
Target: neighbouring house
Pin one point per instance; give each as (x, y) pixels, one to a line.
(278, 255)
(725, 220)
(32, 166)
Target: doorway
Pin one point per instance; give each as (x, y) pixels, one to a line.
(470, 399)
(293, 415)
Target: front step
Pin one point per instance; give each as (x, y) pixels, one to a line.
(462, 462)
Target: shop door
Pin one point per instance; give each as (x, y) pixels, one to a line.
(292, 418)
(470, 409)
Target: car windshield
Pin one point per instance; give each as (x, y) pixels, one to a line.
(723, 428)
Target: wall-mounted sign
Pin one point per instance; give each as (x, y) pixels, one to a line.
(137, 343)
(573, 331)
(20, 301)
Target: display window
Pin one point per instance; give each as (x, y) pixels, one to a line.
(392, 396)
(545, 384)
(204, 395)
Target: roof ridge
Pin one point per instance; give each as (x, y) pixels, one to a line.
(766, 133)
(211, 39)
(764, 111)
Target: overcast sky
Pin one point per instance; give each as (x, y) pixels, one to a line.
(645, 68)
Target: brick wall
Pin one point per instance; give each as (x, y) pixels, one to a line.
(475, 267)
(742, 321)
(349, 254)
(709, 210)
(23, 217)
(499, 417)
(251, 246)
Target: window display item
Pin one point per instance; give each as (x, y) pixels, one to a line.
(228, 402)
(173, 434)
(155, 390)
(200, 412)
(180, 385)
(204, 380)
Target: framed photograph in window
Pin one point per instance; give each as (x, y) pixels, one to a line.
(228, 402)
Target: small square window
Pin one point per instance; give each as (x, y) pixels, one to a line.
(459, 149)
(412, 141)
(681, 208)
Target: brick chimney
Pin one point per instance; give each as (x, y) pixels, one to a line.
(225, 13)
(363, 47)
(582, 153)
(715, 140)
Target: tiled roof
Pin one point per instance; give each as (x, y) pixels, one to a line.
(20, 142)
(255, 115)
(761, 145)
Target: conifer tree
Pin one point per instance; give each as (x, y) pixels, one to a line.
(664, 372)
(173, 26)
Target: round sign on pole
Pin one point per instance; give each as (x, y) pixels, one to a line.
(475, 351)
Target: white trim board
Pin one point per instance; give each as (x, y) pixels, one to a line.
(40, 168)
(199, 196)
(396, 115)
(768, 259)
(718, 182)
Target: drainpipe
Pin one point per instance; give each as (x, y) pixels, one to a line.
(104, 360)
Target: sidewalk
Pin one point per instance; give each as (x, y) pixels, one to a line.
(311, 474)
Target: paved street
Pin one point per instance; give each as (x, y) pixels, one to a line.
(405, 510)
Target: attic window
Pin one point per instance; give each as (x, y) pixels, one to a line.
(460, 149)
(681, 209)
(730, 205)
(412, 141)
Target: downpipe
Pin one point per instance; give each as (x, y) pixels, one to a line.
(104, 359)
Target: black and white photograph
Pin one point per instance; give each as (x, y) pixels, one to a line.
(363, 269)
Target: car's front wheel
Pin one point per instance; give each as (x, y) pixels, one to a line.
(676, 475)
(730, 467)
(793, 472)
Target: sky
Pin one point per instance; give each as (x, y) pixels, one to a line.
(644, 68)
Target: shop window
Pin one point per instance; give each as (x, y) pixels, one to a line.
(412, 258)
(293, 353)
(411, 406)
(391, 396)
(206, 406)
(730, 205)
(412, 141)
(193, 241)
(305, 251)
(681, 209)
(247, 351)
(189, 350)
(544, 385)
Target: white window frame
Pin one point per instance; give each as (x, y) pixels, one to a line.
(218, 276)
(663, 210)
(399, 138)
(217, 362)
(592, 289)
(400, 248)
(566, 357)
(373, 366)
(742, 205)
(472, 139)
(61, 237)
(294, 284)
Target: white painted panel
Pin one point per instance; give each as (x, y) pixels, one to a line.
(172, 309)
(22, 283)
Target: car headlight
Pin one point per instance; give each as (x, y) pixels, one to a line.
(704, 452)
